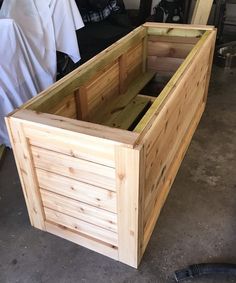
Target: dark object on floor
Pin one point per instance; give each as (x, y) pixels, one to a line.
(2, 152)
(226, 55)
(197, 270)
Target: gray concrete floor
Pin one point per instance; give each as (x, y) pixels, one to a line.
(197, 223)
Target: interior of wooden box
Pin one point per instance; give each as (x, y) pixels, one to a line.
(121, 93)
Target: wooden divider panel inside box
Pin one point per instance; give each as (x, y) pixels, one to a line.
(98, 151)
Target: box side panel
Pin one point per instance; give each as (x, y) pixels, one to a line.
(72, 184)
(170, 134)
(25, 167)
(88, 71)
(134, 62)
(128, 162)
(167, 53)
(113, 85)
(66, 107)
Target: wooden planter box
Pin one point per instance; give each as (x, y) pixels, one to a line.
(96, 155)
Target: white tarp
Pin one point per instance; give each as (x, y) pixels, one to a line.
(28, 45)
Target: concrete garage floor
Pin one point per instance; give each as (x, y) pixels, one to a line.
(197, 223)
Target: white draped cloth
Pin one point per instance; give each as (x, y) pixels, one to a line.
(31, 31)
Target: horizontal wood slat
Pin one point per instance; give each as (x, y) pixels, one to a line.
(165, 64)
(81, 226)
(76, 129)
(169, 49)
(83, 240)
(146, 122)
(126, 117)
(110, 110)
(66, 107)
(103, 87)
(75, 168)
(81, 75)
(173, 39)
(80, 210)
(83, 192)
(72, 144)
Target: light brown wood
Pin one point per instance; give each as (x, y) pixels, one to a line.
(80, 210)
(77, 190)
(165, 138)
(127, 176)
(213, 40)
(173, 39)
(169, 49)
(169, 26)
(123, 71)
(81, 103)
(201, 12)
(164, 64)
(75, 168)
(144, 53)
(71, 143)
(97, 185)
(66, 108)
(109, 111)
(83, 227)
(103, 87)
(150, 98)
(26, 171)
(85, 129)
(83, 240)
(148, 118)
(159, 202)
(83, 74)
(126, 117)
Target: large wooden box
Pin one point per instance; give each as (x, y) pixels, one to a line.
(97, 153)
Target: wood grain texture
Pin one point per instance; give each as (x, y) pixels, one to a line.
(76, 190)
(126, 116)
(83, 227)
(81, 97)
(169, 49)
(166, 138)
(201, 12)
(134, 62)
(26, 171)
(103, 87)
(72, 144)
(80, 210)
(173, 39)
(82, 129)
(75, 168)
(127, 175)
(65, 108)
(146, 122)
(83, 240)
(83, 74)
(164, 190)
(169, 26)
(111, 110)
(123, 73)
(164, 64)
(100, 186)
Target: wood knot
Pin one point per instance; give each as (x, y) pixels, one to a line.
(131, 233)
(71, 170)
(121, 176)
